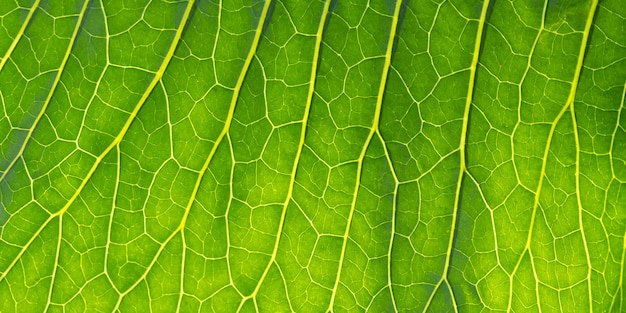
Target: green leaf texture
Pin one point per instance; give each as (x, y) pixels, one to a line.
(312, 156)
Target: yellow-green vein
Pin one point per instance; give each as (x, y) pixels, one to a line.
(393, 218)
(569, 105)
(463, 166)
(373, 130)
(292, 180)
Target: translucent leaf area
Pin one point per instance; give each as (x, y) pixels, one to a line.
(312, 156)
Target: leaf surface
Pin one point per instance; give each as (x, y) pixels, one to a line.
(276, 156)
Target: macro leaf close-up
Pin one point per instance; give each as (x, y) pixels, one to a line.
(312, 156)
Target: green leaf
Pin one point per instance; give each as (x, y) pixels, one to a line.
(287, 155)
